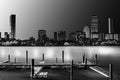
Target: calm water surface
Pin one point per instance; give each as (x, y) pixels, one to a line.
(106, 55)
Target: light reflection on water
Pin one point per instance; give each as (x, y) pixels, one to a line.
(106, 55)
(51, 53)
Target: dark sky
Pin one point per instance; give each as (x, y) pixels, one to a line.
(54, 15)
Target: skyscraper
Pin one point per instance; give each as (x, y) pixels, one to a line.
(55, 36)
(110, 26)
(110, 34)
(94, 26)
(13, 25)
(41, 34)
(61, 35)
(42, 37)
(6, 35)
(86, 30)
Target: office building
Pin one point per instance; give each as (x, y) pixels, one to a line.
(72, 36)
(80, 35)
(86, 30)
(13, 25)
(101, 36)
(110, 26)
(94, 26)
(41, 34)
(61, 35)
(55, 36)
(110, 34)
(6, 35)
(116, 36)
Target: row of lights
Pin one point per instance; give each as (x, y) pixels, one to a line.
(49, 54)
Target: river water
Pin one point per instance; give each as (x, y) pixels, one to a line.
(106, 55)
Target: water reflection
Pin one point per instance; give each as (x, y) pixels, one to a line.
(106, 55)
(51, 53)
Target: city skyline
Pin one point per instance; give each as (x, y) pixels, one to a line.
(52, 16)
(93, 32)
(60, 39)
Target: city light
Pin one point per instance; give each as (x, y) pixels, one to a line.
(36, 53)
(50, 53)
(67, 57)
(67, 54)
(2, 52)
(17, 53)
(106, 50)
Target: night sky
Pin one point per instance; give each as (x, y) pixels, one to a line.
(54, 15)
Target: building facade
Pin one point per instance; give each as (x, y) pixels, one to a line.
(41, 33)
(61, 35)
(13, 25)
(86, 30)
(94, 26)
(55, 36)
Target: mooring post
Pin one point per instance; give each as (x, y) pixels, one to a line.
(96, 59)
(32, 69)
(86, 63)
(15, 59)
(9, 57)
(71, 71)
(26, 56)
(43, 57)
(110, 72)
(62, 56)
(56, 60)
(84, 58)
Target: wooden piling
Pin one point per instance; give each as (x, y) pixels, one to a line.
(43, 57)
(86, 63)
(110, 72)
(96, 59)
(84, 58)
(32, 68)
(62, 56)
(71, 71)
(26, 56)
(9, 57)
(56, 60)
(15, 60)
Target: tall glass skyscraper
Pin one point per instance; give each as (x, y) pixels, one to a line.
(110, 26)
(13, 25)
(94, 26)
